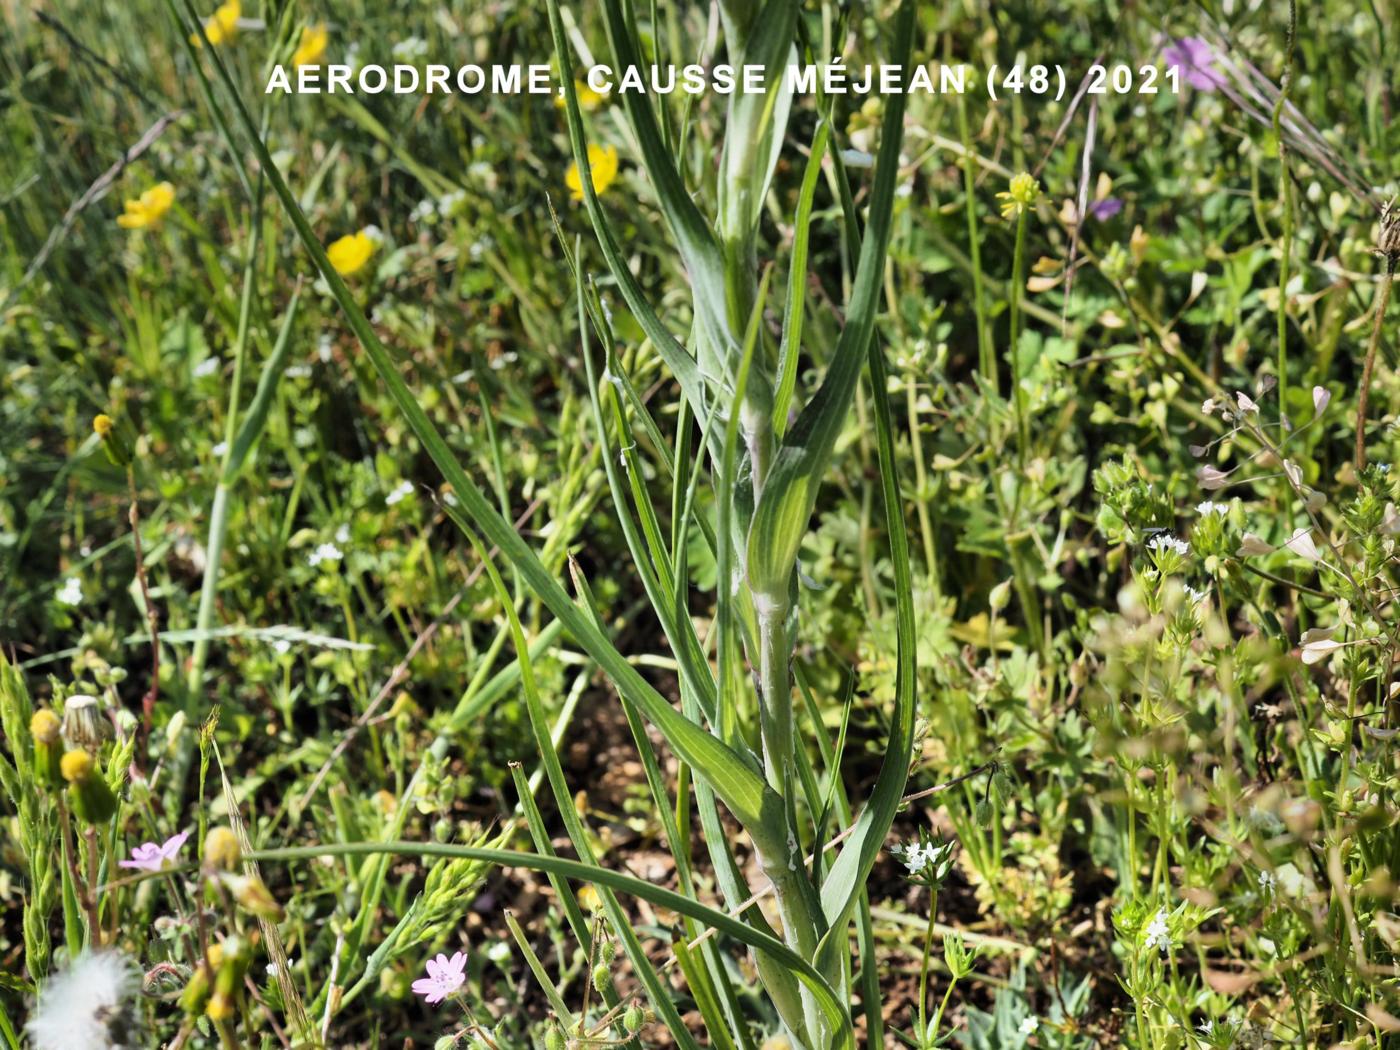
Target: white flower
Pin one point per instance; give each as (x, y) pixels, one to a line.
(207, 367)
(84, 1005)
(1157, 935)
(1029, 1025)
(1206, 1028)
(325, 552)
(1209, 507)
(218, 450)
(1268, 883)
(71, 593)
(1163, 541)
(402, 492)
(1196, 596)
(281, 646)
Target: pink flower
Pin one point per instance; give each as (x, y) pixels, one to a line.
(445, 976)
(150, 857)
(1196, 60)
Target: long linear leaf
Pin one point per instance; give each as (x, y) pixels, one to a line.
(834, 1011)
(790, 492)
(742, 791)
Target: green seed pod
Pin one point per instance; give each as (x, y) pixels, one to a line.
(601, 976)
(607, 952)
(554, 1038)
(633, 1018)
(88, 794)
(44, 727)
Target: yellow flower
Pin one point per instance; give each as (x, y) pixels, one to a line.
(602, 162)
(147, 209)
(220, 28)
(588, 99)
(349, 254)
(312, 45)
(1020, 194)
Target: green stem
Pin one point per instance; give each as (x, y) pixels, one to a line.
(984, 340)
(1018, 263)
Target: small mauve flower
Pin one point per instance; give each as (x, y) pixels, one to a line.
(150, 857)
(1196, 60)
(445, 976)
(1105, 209)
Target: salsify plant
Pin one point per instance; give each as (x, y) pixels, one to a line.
(736, 732)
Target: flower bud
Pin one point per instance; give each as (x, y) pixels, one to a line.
(554, 1038)
(221, 849)
(83, 724)
(601, 978)
(92, 800)
(44, 727)
(117, 450)
(633, 1018)
(228, 978)
(252, 893)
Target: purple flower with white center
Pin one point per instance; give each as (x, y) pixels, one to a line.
(1196, 60)
(151, 857)
(445, 976)
(1103, 210)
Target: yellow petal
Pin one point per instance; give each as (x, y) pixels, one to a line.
(602, 162)
(350, 253)
(311, 46)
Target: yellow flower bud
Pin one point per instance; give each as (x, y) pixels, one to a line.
(221, 849)
(76, 766)
(106, 428)
(44, 726)
(89, 796)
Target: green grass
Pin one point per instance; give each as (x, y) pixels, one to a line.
(602, 587)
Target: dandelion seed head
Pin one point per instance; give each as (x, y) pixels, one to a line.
(84, 1005)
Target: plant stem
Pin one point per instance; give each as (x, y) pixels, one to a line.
(1285, 190)
(1018, 263)
(986, 359)
(1364, 394)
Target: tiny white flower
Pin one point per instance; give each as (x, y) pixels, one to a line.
(1196, 596)
(342, 534)
(1163, 541)
(71, 593)
(1157, 935)
(1210, 507)
(218, 450)
(400, 493)
(207, 367)
(1029, 1025)
(325, 552)
(1268, 883)
(282, 646)
(1206, 1028)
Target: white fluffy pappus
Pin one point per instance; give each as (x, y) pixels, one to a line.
(85, 1005)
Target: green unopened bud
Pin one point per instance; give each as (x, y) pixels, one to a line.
(88, 794)
(221, 849)
(607, 952)
(999, 596)
(633, 1018)
(117, 450)
(251, 893)
(233, 962)
(601, 978)
(554, 1038)
(44, 727)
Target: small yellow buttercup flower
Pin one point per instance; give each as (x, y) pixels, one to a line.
(312, 45)
(349, 254)
(102, 424)
(1021, 193)
(221, 26)
(588, 99)
(602, 162)
(147, 209)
